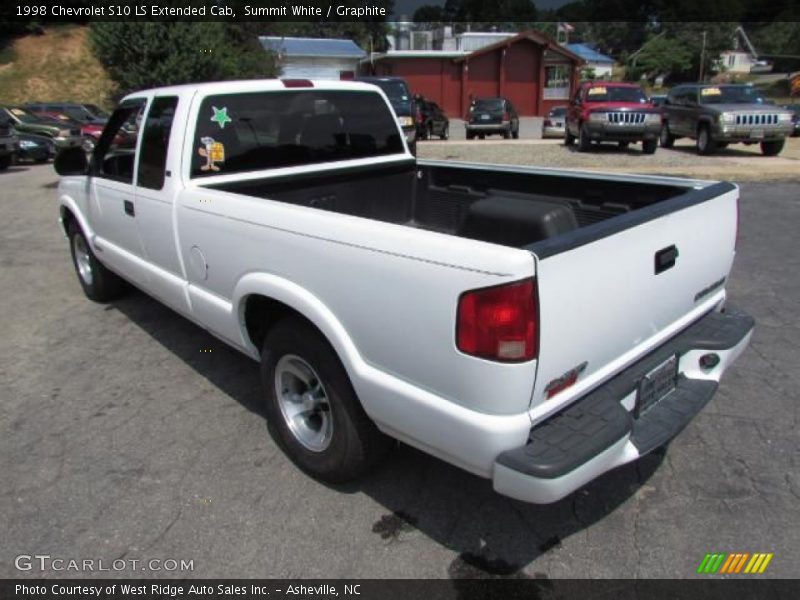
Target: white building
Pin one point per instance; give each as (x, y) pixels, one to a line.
(315, 58)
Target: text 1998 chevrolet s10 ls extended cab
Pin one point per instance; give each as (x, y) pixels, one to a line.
(533, 326)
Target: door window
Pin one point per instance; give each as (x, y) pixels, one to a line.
(115, 153)
(155, 141)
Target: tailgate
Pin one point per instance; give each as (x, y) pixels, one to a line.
(601, 301)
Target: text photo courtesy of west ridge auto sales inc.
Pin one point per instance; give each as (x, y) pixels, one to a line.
(399, 298)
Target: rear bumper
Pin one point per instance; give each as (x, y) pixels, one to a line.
(503, 127)
(600, 432)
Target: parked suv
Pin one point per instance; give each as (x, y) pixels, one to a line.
(431, 120)
(603, 111)
(396, 89)
(718, 115)
(64, 135)
(492, 115)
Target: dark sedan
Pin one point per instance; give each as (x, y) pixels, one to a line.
(35, 148)
(488, 116)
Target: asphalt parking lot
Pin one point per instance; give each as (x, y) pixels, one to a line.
(127, 432)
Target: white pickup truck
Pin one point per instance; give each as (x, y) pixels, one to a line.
(533, 326)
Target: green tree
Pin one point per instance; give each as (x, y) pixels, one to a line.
(660, 56)
(142, 55)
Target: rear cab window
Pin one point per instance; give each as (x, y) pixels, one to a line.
(237, 133)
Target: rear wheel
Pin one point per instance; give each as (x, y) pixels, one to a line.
(705, 143)
(312, 410)
(584, 141)
(569, 139)
(470, 135)
(772, 148)
(481, 136)
(666, 139)
(506, 134)
(515, 133)
(445, 132)
(649, 146)
(5, 162)
(98, 283)
(623, 145)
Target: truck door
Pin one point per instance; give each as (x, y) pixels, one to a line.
(112, 207)
(156, 188)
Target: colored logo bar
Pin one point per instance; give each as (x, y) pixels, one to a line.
(735, 563)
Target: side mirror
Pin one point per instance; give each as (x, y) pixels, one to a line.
(71, 161)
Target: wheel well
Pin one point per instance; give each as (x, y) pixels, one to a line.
(262, 313)
(67, 218)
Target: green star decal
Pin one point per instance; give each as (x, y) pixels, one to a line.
(221, 116)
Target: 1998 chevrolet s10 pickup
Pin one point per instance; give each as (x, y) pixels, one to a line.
(533, 326)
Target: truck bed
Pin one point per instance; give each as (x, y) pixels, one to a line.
(501, 206)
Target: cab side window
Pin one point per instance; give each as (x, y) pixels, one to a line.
(155, 141)
(115, 153)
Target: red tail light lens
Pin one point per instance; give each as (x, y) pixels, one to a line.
(499, 323)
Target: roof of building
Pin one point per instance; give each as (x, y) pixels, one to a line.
(589, 54)
(312, 47)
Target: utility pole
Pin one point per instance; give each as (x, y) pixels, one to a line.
(703, 57)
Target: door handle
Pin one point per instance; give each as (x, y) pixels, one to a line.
(665, 259)
(129, 210)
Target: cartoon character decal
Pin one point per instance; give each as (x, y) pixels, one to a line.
(213, 151)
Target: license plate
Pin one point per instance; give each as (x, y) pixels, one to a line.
(757, 133)
(656, 385)
(485, 117)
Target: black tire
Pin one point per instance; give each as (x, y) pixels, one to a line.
(569, 139)
(772, 148)
(445, 132)
(705, 142)
(355, 444)
(623, 145)
(584, 141)
(429, 131)
(5, 162)
(722, 145)
(101, 284)
(506, 134)
(481, 136)
(515, 134)
(665, 138)
(470, 135)
(649, 146)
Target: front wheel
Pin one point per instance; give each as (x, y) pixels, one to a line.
(666, 139)
(5, 162)
(584, 141)
(772, 148)
(311, 407)
(649, 146)
(705, 143)
(98, 283)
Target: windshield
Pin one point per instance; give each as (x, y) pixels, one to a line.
(731, 95)
(489, 104)
(601, 93)
(395, 90)
(23, 116)
(96, 111)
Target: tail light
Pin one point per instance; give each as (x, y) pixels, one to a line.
(506, 116)
(499, 323)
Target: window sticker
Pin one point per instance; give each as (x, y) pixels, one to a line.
(220, 116)
(213, 151)
(596, 91)
(712, 91)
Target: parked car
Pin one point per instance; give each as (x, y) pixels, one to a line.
(82, 113)
(90, 130)
(64, 136)
(396, 89)
(718, 115)
(554, 122)
(431, 120)
(8, 142)
(658, 100)
(795, 108)
(481, 313)
(36, 148)
(605, 111)
(488, 116)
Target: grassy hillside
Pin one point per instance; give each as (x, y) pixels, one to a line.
(55, 66)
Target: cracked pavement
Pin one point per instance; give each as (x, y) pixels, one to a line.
(120, 438)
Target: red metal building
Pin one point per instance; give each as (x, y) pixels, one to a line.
(529, 69)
